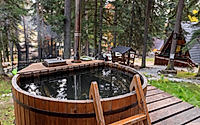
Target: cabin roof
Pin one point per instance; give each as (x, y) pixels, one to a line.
(189, 28)
(158, 44)
(122, 49)
(194, 51)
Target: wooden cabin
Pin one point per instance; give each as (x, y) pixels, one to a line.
(181, 59)
(123, 55)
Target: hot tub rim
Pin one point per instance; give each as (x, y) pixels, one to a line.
(17, 88)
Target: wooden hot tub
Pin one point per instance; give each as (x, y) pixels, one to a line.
(38, 110)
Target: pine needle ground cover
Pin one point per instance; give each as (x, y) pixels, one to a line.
(185, 91)
(6, 103)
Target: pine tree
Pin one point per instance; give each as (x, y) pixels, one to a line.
(175, 34)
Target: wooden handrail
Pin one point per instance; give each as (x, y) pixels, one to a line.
(143, 115)
(136, 82)
(94, 93)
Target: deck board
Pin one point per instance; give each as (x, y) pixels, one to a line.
(194, 122)
(163, 103)
(183, 117)
(154, 92)
(155, 98)
(169, 111)
(151, 87)
(164, 109)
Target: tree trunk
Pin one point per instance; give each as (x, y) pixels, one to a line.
(3, 47)
(198, 73)
(10, 43)
(148, 13)
(87, 47)
(55, 48)
(115, 24)
(39, 36)
(18, 50)
(7, 53)
(19, 55)
(6, 45)
(26, 40)
(131, 24)
(100, 28)
(95, 28)
(67, 30)
(1, 67)
(42, 32)
(176, 33)
(87, 44)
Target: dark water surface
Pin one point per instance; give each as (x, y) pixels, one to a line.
(75, 85)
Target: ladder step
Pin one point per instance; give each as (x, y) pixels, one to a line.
(130, 120)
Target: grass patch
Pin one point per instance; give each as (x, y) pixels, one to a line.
(182, 74)
(6, 104)
(150, 59)
(185, 91)
(5, 86)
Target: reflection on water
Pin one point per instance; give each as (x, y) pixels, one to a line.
(76, 84)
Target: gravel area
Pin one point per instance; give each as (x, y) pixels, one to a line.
(152, 71)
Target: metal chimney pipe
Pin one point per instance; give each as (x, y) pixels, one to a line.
(77, 33)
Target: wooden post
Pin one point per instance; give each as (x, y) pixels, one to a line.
(77, 33)
(94, 93)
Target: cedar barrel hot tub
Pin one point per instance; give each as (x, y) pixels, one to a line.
(33, 109)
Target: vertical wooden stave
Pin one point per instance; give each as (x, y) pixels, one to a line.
(90, 110)
(107, 106)
(116, 104)
(81, 109)
(62, 108)
(72, 109)
(124, 103)
(40, 120)
(45, 107)
(22, 111)
(134, 110)
(53, 107)
(128, 112)
(31, 103)
(15, 106)
(18, 108)
(27, 112)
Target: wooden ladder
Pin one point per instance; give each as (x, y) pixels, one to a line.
(142, 117)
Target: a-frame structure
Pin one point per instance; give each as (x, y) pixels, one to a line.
(182, 59)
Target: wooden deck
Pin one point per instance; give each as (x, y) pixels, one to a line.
(39, 66)
(165, 109)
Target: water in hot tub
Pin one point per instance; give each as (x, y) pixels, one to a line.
(75, 85)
